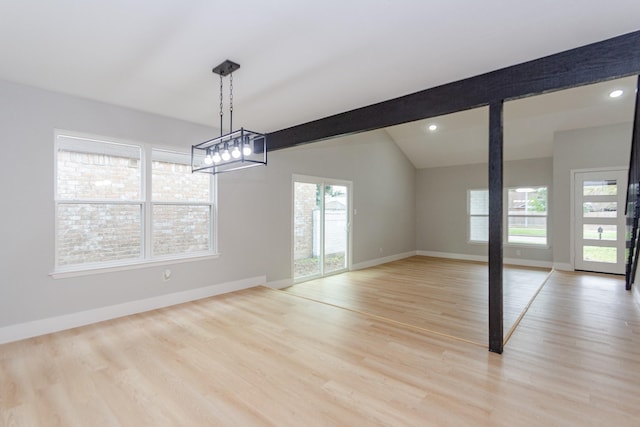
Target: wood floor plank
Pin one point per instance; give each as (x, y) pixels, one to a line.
(446, 296)
(266, 358)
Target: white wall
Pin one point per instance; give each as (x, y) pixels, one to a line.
(441, 193)
(254, 215)
(28, 118)
(383, 195)
(441, 206)
(598, 147)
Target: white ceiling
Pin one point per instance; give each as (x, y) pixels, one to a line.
(300, 60)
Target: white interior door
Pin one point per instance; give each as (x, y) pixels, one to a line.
(599, 233)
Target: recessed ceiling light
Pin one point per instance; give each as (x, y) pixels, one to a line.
(432, 128)
(616, 93)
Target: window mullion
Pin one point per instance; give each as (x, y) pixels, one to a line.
(213, 223)
(147, 205)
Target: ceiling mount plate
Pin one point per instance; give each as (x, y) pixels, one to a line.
(226, 68)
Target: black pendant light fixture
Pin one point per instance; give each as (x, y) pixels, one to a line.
(235, 150)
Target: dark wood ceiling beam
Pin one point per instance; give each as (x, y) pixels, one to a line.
(609, 59)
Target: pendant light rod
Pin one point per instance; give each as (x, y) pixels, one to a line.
(221, 106)
(231, 102)
(226, 69)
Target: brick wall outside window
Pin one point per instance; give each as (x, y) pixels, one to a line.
(100, 213)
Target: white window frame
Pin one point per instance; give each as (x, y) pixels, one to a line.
(146, 259)
(505, 219)
(470, 215)
(507, 216)
(153, 203)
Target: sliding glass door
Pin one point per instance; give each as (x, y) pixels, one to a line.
(321, 226)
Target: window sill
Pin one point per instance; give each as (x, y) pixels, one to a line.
(526, 245)
(511, 245)
(64, 273)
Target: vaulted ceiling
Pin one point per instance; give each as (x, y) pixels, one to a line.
(529, 125)
(300, 61)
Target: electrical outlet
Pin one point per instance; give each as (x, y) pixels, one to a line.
(166, 275)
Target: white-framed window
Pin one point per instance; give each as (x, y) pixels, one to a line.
(478, 211)
(525, 212)
(181, 208)
(120, 203)
(527, 215)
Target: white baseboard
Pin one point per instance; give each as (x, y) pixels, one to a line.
(448, 255)
(528, 263)
(483, 258)
(74, 320)
(384, 260)
(280, 284)
(562, 266)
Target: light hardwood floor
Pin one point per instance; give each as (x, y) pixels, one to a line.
(445, 296)
(267, 358)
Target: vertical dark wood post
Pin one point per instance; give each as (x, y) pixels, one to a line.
(495, 227)
(633, 198)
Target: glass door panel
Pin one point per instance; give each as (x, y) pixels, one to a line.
(599, 254)
(335, 228)
(599, 232)
(600, 209)
(601, 187)
(306, 231)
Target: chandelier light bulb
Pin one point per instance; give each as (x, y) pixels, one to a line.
(246, 148)
(208, 160)
(225, 154)
(235, 153)
(216, 157)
